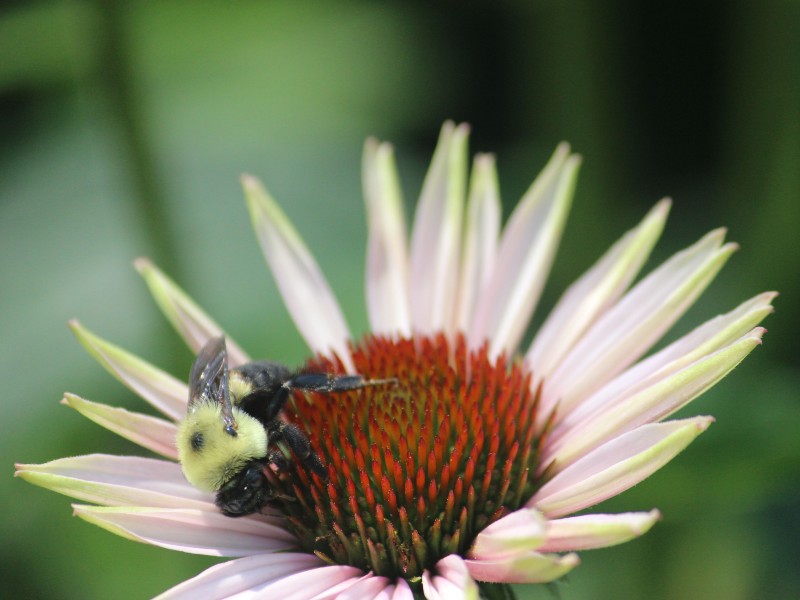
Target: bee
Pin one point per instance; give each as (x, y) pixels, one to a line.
(232, 427)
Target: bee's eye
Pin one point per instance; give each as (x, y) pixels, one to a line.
(254, 475)
(197, 441)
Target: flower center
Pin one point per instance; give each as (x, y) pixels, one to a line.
(415, 470)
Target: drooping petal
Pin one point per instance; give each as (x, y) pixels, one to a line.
(525, 255)
(661, 398)
(160, 389)
(587, 532)
(332, 592)
(450, 580)
(306, 293)
(616, 466)
(595, 292)
(387, 253)
(118, 481)
(521, 531)
(189, 530)
(635, 323)
(701, 342)
(387, 593)
(322, 583)
(368, 588)
(149, 432)
(530, 567)
(481, 231)
(402, 591)
(436, 237)
(189, 320)
(232, 577)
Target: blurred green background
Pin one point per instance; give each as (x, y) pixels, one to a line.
(124, 127)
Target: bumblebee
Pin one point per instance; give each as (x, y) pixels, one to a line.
(232, 426)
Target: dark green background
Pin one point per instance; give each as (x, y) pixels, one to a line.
(124, 127)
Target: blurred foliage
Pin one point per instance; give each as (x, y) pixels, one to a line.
(124, 127)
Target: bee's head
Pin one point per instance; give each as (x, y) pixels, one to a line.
(211, 452)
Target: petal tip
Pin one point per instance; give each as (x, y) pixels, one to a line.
(663, 207)
(484, 160)
(730, 247)
(718, 234)
(462, 129)
(70, 399)
(85, 337)
(254, 193)
(655, 515)
(385, 149)
(704, 422)
(248, 180)
(142, 264)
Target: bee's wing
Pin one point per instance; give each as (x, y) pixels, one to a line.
(208, 379)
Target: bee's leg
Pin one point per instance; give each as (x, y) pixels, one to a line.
(330, 384)
(274, 403)
(317, 382)
(311, 382)
(299, 445)
(277, 458)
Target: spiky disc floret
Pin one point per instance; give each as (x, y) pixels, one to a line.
(416, 470)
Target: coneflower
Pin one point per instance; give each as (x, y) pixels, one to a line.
(461, 478)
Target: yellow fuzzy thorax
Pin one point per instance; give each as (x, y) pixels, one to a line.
(239, 387)
(209, 456)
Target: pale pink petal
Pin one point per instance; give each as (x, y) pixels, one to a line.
(520, 531)
(588, 532)
(703, 341)
(525, 255)
(387, 252)
(481, 232)
(402, 591)
(227, 579)
(149, 432)
(324, 583)
(594, 293)
(428, 589)
(332, 592)
(368, 588)
(449, 580)
(190, 530)
(436, 237)
(616, 466)
(118, 481)
(188, 319)
(530, 567)
(160, 389)
(635, 323)
(387, 593)
(304, 586)
(306, 293)
(662, 397)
